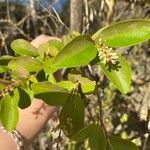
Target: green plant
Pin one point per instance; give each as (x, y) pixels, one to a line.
(31, 71)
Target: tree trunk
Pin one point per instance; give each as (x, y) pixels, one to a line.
(34, 16)
(76, 15)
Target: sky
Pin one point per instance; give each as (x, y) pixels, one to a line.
(57, 4)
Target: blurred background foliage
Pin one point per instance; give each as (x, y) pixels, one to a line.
(128, 115)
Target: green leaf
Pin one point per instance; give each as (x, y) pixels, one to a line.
(47, 65)
(20, 73)
(83, 134)
(87, 85)
(0, 110)
(48, 72)
(117, 143)
(125, 33)
(119, 75)
(33, 79)
(4, 83)
(5, 59)
(80, 51)
(56, 43)
(2, 86)
(41, 76)
(96, 34)
(25, 99)
(50, 93)
(29, 63)
(51, 78)
(50, 48)
(69, 37)
(9, 113)
(97, 140)
(66, 84)
(15, 95)
(72, 115)
(3, 69)
(23, 47)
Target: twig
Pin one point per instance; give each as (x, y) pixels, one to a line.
(7, 9)
(58, 19)
(34, 16)
(148, 124)
(4, 43)
(57, 15)
(14, 25)
(9, 88)
(122, 12)
(99, 102)
(86, 17)
(145, 142)
(23, 19)
(86, 28)
(90, 113)
(4, 21)
(59, 139)
(20, 30)
(43, 18)
(101, 114)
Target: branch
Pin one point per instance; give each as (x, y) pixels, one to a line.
(101, 113)
(7, 9)
(23, 19)
(99, 102)
(4, 43)
(8, 89)
(57, 19)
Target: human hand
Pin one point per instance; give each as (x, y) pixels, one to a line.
(34, 118)
(31, 119)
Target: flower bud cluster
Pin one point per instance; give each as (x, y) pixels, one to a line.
(106, 54)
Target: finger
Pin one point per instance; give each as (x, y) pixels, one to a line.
(42, 39)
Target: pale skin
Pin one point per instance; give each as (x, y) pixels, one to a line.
(31, 119)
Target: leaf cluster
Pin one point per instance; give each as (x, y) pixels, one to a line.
(32, 75)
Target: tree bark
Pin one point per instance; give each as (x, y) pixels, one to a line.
(34, 16)
(76, 15)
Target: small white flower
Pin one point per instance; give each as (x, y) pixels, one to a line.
(106, 54)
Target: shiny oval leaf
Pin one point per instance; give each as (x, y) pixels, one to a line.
(25, 99)
(15, 95)
(9, 113)
(51, 78)
(29, 63)
(3, 69)
(80, 51)
(97, 140)
(41, 76)
(117, 143)
(20, 73)
(66, 84)
(5, 59)
(87, 85)
(23, 47)
(72, 115)
(83, 134)
(56, 43)
(50, 93)
(69, 37)
(47, 65)
(50, 48)
(119, 75)
(125, 33)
